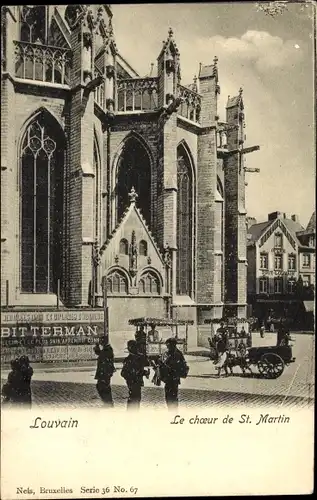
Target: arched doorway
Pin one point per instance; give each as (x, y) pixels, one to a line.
(184, 267)
(133, 170)
(41, 205)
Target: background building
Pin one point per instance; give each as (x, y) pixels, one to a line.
(113, 178)
(281, 267)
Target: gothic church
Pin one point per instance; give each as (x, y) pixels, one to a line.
(113, 179)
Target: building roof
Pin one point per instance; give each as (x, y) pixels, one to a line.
(311, 226)
(256, 230)
(292, 226)
(233, 101)
(206, 71)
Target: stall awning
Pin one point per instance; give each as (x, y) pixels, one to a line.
(309, 305)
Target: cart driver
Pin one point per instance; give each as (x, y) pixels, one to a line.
(153, 335)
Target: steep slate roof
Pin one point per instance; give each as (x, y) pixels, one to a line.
(256, 230)
(233, 101)
(292, 226)
(311, 226)
(206, 71)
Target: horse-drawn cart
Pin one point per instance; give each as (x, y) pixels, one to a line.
(270, 361)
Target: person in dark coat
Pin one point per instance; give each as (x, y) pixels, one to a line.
(17, 390)
(283, 334)
(104, 372)
(173, 367)
(133, 371)
(140, 338)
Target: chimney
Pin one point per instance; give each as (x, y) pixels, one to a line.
(276, 215)
(295, 218)
(251, 221)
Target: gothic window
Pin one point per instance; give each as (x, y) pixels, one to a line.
(97, 190)
(117, 283)
(33, 23)
(42, 160)
(184, 224)
(124, 246)
(149, 284)
(134, 170)
(143, 248)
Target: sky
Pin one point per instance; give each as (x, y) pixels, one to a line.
(271, 58)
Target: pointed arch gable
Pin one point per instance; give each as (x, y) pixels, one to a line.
(183, 144)
(119, 269)
(131, 135)
(132, 166)
(33, 115)
(149, 282)
(152, 270)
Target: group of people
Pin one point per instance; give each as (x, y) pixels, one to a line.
(168, 368)
(17, 389)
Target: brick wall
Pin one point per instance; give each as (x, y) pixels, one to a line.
(206, 187)
(235, 217)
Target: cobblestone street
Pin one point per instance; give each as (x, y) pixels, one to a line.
(75, 387)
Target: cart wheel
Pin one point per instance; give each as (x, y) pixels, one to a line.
(271, 365)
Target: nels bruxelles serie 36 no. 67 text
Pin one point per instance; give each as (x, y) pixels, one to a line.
(91, 490)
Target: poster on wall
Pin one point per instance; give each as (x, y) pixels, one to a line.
(46, 335)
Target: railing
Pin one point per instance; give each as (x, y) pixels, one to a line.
(191, 104)
(137, 94)
(43, 63)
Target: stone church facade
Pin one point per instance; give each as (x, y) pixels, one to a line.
(112, 179)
